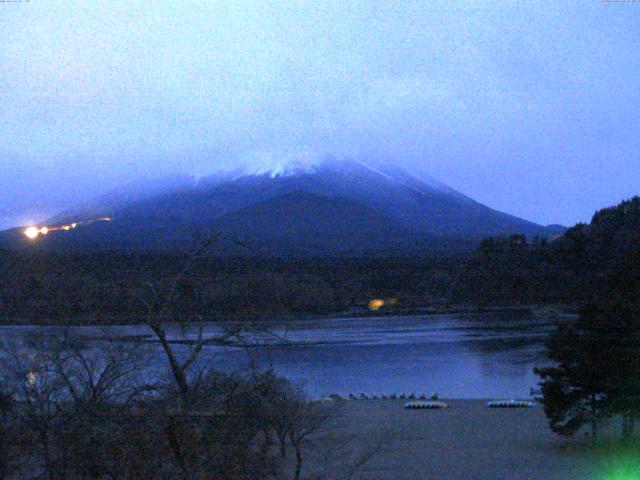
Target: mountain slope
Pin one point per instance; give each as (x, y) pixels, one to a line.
(303, 223)
(326, 208)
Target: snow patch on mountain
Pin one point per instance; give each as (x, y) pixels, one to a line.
(279, 165)
(422, 183)
(392, 178)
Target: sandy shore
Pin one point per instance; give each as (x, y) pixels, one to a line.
(465, 441)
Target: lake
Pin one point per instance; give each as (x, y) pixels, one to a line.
(456, 356)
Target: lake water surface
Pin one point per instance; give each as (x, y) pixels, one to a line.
(468, 356)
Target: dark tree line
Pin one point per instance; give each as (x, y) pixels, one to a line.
(572, 269)
(516, 270)
(102, 288)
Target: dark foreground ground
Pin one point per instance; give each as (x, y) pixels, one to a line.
(466, 441)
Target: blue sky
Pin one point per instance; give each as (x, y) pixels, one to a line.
(529, 107)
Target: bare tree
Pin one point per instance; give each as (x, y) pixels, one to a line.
(71, 397)
(196, 391)
(308, 419)
(6, 407)
(159, 302)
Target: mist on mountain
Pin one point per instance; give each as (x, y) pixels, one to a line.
(300, 205)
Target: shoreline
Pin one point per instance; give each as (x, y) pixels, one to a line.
(459, 310)
(465, 441)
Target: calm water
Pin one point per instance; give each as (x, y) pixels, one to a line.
(472, 356)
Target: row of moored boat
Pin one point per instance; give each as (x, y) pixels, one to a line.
(421, 402)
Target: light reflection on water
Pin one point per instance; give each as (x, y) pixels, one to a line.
(473, 356)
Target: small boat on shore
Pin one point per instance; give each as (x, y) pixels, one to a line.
(429, 405)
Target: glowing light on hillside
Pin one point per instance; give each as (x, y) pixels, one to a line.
(34, 232)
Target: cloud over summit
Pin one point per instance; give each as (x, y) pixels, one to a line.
(503, 102)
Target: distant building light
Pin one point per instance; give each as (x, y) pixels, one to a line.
(376, 304)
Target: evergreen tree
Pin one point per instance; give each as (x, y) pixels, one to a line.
(576, 390)
(620, 314)
(597, 370)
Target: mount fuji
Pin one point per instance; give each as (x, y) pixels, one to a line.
(299, 206)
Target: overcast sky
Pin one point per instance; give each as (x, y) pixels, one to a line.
(531, 107)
